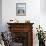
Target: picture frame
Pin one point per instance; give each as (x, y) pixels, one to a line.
(21, 9)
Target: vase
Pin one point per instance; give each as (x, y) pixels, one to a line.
(41, 43)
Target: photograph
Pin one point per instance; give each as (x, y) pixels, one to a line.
(21, 9)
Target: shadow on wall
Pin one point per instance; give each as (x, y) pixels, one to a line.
(0, 15)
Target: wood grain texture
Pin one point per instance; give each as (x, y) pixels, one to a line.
(23, 27)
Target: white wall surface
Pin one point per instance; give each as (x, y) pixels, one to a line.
(33, 13)
(9, 11)
(43, 6)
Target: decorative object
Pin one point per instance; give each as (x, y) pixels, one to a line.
(20, 9)
(13, 21)
(1, 40)
(7, 38)
(41, 36)
(27, 21)
(45, 34)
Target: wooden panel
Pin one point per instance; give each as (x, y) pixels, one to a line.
(22, 27)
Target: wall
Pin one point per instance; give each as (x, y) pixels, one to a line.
(43, 14)
(0, 15)
(43, 6)
(9, 11)
(33, 13)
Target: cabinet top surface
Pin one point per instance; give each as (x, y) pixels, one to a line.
(19, 23)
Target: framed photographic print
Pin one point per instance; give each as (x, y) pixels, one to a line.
(20, 9)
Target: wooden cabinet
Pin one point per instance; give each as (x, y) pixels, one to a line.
(22, 33)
